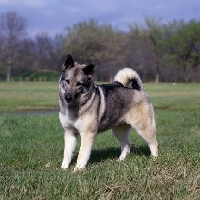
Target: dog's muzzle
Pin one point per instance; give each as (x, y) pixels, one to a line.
(68, 97)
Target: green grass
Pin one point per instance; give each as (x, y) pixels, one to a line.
(31, 150)
(24, 96)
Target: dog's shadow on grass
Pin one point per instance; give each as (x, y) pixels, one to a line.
(114, 153)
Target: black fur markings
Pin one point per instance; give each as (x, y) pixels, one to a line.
(115, 104)
(69, 63)
(110, 87)
(133, 84)
(89, 71)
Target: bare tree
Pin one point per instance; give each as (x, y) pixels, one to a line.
(44, 49)
(12, 28)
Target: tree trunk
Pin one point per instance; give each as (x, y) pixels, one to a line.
(186, 76)
(8, 73)
(157, 78)
(110, 73)
(157, 72)
(187, 73)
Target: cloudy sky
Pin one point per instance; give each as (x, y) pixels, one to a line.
(52, 16)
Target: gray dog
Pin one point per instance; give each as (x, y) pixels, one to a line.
(87, 109)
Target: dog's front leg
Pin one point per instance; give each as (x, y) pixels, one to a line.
(70, 143)
(87, 140)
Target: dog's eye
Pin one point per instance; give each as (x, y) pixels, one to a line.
(67, 81)
(78, 84)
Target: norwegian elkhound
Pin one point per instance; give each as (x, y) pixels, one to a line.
(87, 109)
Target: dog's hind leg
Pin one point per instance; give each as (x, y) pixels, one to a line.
(150, 139)
(122, 132)
(70, 144)
(147, 130)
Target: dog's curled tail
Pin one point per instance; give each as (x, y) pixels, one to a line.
(129, 78)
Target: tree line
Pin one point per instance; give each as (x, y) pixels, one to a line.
(158, 52)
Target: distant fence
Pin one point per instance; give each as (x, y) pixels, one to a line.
(39, 79)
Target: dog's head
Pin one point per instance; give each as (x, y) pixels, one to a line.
(75, 79)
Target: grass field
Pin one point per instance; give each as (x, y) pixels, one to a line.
(31, 150)
(28, 96)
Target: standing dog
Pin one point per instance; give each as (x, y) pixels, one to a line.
(87, 108)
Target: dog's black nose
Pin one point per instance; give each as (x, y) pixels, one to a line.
(68, 97)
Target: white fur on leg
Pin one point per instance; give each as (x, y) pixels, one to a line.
(65, 164)
(70, 144)
(125, 150)
(154, 149)
(122, 132)
(85, 150)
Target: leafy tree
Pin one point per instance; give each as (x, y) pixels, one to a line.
(140, 54)
(155, 35)
(150, 44)
(183, 45)
(12, 30)
(90, 42)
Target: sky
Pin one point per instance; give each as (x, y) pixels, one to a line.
(53, 16)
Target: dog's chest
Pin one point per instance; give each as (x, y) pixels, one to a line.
(67, 119)
(71, 120)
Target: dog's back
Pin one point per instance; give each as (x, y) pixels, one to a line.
(120, 97)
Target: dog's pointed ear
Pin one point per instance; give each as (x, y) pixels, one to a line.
(88, 71)
(69, 62)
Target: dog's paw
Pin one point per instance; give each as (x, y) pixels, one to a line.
(64, 165)
(76, 169)
(153, 158)
(122, 157)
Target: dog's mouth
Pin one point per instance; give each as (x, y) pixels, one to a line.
(68, 101)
